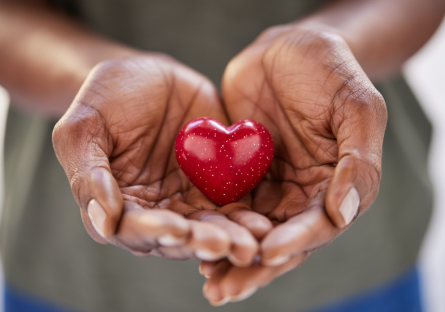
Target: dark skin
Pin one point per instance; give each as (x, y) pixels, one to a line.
(320, 109)
(203, 235)
(306, 82)
(120, 154)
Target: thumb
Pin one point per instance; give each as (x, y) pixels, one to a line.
(105, 202)
(359, 125)
(82, 147)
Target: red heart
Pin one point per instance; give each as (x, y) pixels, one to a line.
(224, 163)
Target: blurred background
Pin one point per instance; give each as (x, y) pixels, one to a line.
(4, 103)
(425, 73)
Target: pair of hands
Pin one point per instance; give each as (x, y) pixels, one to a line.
(327, 121)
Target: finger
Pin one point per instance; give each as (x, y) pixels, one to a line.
(205, 241)
(242, 214)
(195, 98)
(105, 206)
(102, 213)
(207, 268)
(239, 212)
(172, 253)
(208, 241)
(358, 122)
(308, 230)
(244, 246)
(211, 288)
(257, 224)
(82, 147)
(353, 180)
(240, 283)
(90, 228)
(143, 229)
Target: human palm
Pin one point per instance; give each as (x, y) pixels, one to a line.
(116, 145)
(327, 122)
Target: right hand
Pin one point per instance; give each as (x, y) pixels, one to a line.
(115, 143)
(327, 121)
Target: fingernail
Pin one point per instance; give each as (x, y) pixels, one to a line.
(278, 260)
(209, 294)
(169, 240)
(205, 255)
(203, 273)
(97, 216)
(239, 262)
(349, 205)
(244, 295)
(220, 303)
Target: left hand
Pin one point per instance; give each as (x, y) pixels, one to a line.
(116, 144)
(327, 121)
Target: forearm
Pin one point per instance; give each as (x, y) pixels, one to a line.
(382, 34)
(45, 57)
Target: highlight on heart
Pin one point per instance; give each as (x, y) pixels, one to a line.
(224, 163)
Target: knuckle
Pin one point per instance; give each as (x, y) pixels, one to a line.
(111, 65)
(358, 98)
(371, 107)
(77, 138)
(273, 32)
(325, 55)
(77, 180)
(321, 40)
(76, 130)
(57, 136)
(374, 172)
(367, 97)
(112, 73)
(315, 44)
(379, 105)
(364, 168)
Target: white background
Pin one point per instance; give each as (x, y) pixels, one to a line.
(4, 102)
(425, 73)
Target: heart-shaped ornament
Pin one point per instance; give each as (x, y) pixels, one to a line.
(224, 163)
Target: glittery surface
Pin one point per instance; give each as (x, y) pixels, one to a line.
(224, 163)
